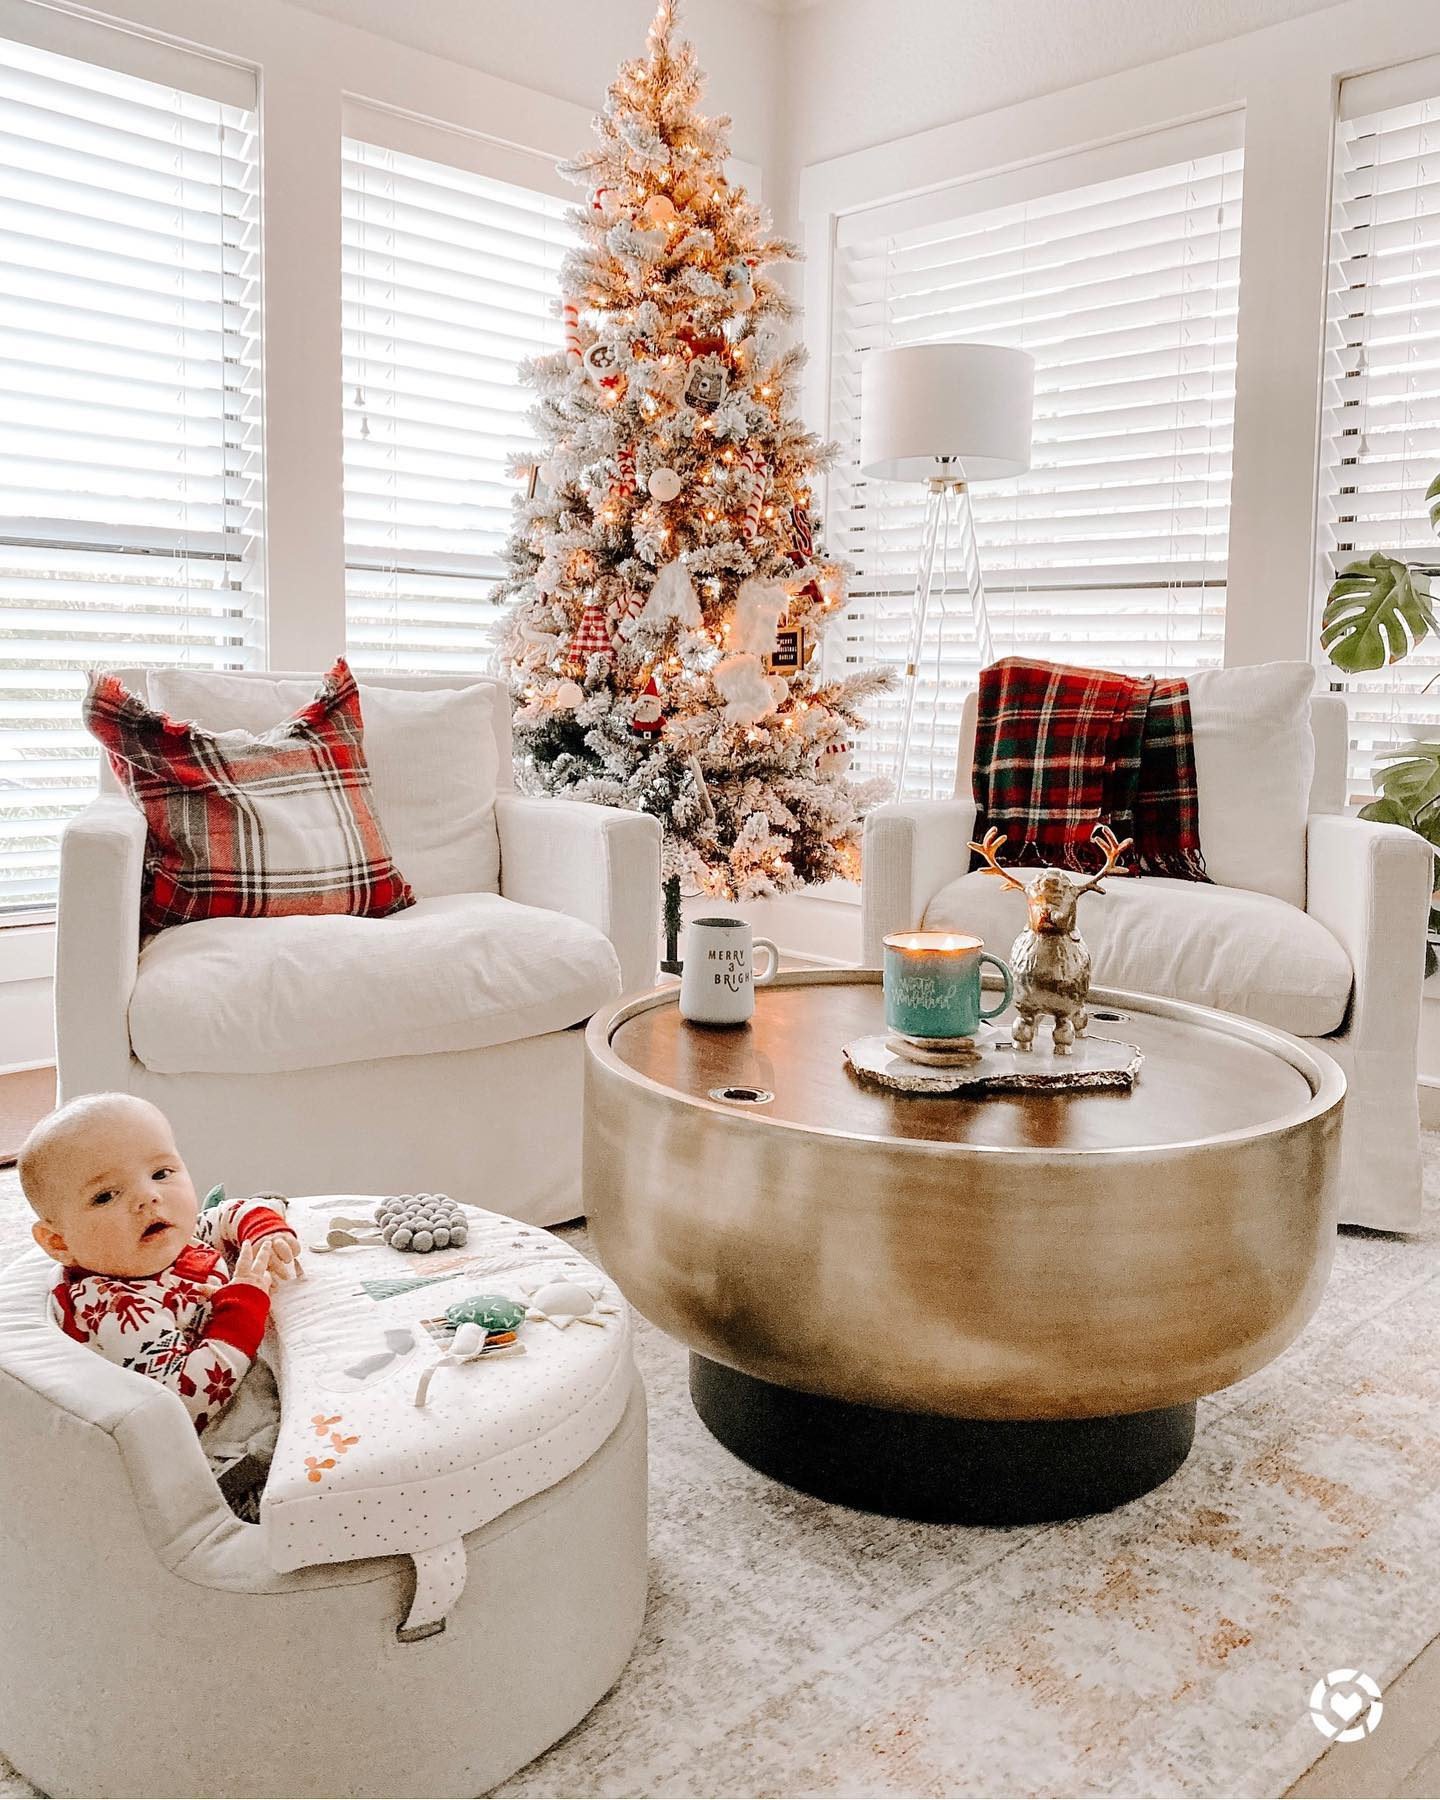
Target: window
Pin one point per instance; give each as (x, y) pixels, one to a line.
(129, 429)
(450, 278)
(1381, 435)
(1119, 270)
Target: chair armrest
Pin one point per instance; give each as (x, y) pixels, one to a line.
(1369, 884)
(912, 849)
(596, 863)
(97, 947)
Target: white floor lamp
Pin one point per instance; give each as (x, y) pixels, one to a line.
(947, 415)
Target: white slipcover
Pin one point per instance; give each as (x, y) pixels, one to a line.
(1365, 886)
(261, 996)
(497, 1125)
(1213, 946)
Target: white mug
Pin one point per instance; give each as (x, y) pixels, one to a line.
(717, 985)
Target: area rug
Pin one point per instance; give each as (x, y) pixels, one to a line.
(793, 1648)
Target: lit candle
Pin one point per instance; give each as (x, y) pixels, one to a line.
(932, 984)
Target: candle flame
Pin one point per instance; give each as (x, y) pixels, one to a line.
(932, 942)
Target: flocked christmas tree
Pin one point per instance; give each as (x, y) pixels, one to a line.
(670, 592)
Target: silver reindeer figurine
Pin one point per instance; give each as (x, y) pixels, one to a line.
(1049, 958)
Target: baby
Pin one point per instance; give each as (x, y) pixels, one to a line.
(153, 1283)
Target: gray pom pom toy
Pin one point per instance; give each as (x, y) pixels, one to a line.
(421, 1222)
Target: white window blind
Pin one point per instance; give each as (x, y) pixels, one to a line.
(129, 424)
(450, 278)
(1381, 438)
(1111, 551)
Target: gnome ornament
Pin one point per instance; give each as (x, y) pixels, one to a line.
(649, 719)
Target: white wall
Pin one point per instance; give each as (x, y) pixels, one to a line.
(865, 71)
(571, 48)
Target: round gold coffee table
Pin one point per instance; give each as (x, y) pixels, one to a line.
(981, 1310)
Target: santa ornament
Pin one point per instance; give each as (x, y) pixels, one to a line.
(649, 718)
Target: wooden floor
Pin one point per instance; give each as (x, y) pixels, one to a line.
(25, 1097)
(1402, 1758)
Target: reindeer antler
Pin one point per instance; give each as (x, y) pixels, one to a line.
(1114, 849)
(990, 848)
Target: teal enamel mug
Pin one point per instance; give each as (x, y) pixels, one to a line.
(932, 984)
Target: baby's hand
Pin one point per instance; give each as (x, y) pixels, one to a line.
(252, 1266)
(284, 1249)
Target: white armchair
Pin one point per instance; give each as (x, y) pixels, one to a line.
(437, 1049)
(1347, 970)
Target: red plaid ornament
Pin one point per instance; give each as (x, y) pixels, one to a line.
(592, 635)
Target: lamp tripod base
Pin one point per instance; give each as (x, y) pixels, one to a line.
(947, 505)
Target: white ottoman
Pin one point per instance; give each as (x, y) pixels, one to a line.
(148, 1645)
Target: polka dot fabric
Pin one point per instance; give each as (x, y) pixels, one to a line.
(360, 1470)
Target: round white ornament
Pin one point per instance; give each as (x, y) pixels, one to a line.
(569, 695)
(664, 484)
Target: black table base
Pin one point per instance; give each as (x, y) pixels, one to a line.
(949, 1471)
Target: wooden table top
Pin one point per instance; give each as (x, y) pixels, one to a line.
(1201, 1078)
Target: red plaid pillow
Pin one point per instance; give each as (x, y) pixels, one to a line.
(252, 827)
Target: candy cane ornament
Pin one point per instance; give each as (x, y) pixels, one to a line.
(624, 610)
(570, 313)
(752, 465)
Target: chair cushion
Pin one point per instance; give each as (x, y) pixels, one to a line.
(1213, 946)
(459, 972)
(243, 826)
(1254, 763)
(431, 751)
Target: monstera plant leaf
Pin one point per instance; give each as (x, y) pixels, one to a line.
(1409, 784)
(1375, 614)
(1432, 503)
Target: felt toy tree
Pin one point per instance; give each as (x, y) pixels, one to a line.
(669, 593)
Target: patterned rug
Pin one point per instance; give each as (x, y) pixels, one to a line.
(1167, 1648)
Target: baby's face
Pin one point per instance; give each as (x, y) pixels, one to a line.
(116, 1198)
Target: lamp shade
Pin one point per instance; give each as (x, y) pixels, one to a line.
(970, 404)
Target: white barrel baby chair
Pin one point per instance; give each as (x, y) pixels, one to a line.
(436, 1050)
(150, 1648)
(1315, 922)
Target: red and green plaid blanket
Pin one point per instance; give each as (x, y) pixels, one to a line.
(1059, 751)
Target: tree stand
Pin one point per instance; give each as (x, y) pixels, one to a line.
(671, 963)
